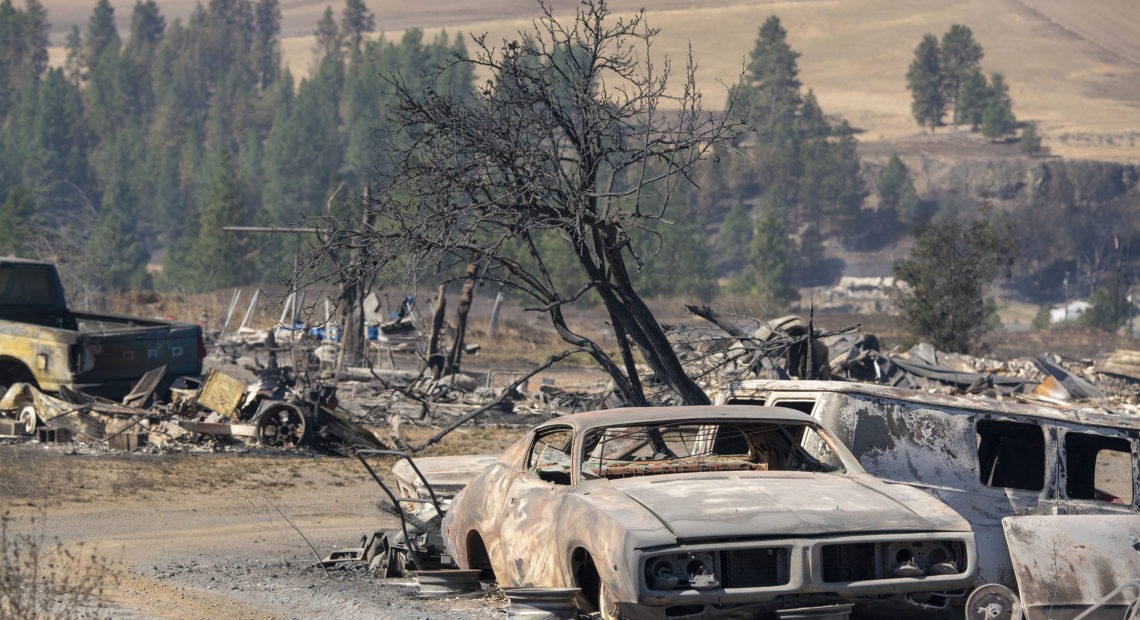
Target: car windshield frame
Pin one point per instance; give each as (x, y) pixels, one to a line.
(688, 446)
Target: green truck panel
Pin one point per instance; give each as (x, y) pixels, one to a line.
(42, 341)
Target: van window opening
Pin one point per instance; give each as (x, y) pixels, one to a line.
(1098, 468)
(1011, 454)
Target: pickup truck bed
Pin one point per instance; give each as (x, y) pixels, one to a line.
(45, 343)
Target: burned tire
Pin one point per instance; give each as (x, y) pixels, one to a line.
(281, 426)
(993, 601)
(28, 419)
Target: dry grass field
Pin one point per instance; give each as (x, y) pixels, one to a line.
(1074, 68)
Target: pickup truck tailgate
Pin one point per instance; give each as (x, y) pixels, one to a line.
(125, 349)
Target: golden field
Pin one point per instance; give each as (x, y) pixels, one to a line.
(1073, 68)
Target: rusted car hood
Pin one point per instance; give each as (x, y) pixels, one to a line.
(718, 505)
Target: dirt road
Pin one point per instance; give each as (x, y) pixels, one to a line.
(194, 536)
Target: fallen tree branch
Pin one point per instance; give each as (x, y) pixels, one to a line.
(550, 361)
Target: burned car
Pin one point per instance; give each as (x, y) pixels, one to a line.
(705, 512)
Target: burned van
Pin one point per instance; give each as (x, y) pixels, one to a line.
(990, 460)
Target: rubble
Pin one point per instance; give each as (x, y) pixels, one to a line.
(729, 351)
(285, 388)
(270, 412)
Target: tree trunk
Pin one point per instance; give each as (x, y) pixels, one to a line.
(626, 305)
(633, 397)
(352, 340)
(435, 356)
(465, 295)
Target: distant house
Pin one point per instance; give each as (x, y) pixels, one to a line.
(1068, 312)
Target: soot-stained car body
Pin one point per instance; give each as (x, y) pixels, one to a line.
(705, 512)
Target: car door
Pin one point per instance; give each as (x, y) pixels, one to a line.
(530, 512)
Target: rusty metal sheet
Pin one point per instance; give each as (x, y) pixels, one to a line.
(221, 393)
(1079, 387)
(1051, 388)
(1066, 564)
(333, 424)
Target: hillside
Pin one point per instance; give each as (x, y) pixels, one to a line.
(1074, 68)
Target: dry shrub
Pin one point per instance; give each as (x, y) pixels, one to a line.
(43, 580)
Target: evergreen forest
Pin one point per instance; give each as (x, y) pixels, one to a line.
(144, 145)
(125, 162)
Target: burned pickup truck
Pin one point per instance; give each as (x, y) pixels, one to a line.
(44, 343)
(679, 512)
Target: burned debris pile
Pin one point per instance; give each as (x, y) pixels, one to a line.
(294, 387)
(734, 348)
(219, 410)
(287, 389)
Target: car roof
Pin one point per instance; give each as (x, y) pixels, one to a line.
(646, 415)
(11, 260)
(1073, 415)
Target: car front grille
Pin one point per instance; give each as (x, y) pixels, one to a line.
(851, 562)
(755, 568)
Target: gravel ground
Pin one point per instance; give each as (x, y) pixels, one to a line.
(194, 536)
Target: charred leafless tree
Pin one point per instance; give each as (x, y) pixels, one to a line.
(572, 144)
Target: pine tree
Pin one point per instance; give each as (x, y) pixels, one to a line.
(999, 90)
(771, 269)
(219, 257)
(733, 238)
(960, 55)
(23, 50)
(147, 29)
(973, 97)
(355, 22)
(17, 216)
(832, 187)
(679, 264)
(267, 46)
(366, 96)
(53, 140)
(102, 34)
(73, 64)
(925, 80)
(302, 156)
(772, 255)
(118, 95)
(772, 89)
(329, 39)
(950, 271)
(115, 256)
(1030, 142)
(896, 190)
(998, 120)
